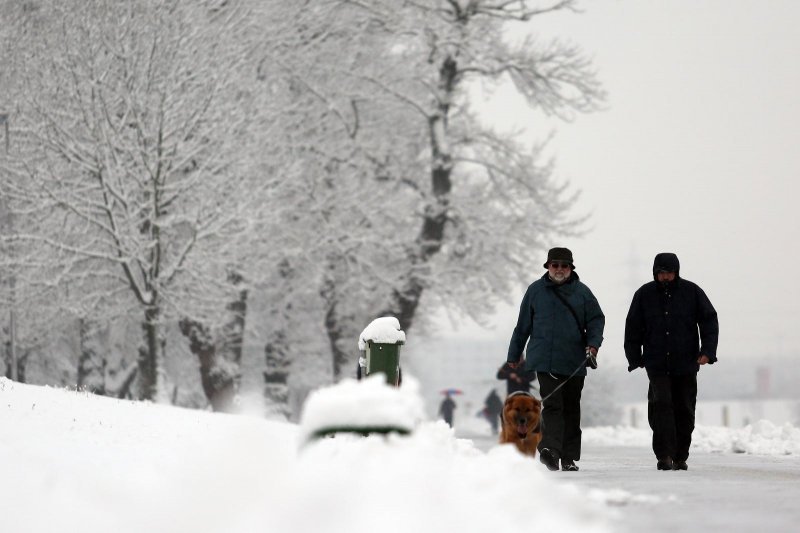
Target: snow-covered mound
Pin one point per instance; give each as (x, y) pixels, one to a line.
(365, 404)
(760, 438)
(74, 462)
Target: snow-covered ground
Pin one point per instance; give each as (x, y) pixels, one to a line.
(75, 462)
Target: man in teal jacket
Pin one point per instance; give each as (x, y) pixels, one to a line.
(562, 323)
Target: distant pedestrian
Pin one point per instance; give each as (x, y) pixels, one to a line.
(446, 409)
(671, 330)
(493, 406)
(562, 325)
(517, 379)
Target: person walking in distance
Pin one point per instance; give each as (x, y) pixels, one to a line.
(562, 324)
(446, 409)
(671, 330)
(493, 407)
(515, 378)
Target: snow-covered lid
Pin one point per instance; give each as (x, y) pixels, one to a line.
(383, 330)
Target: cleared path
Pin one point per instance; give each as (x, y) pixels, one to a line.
(720, 492)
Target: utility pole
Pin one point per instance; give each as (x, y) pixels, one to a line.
(12, 322)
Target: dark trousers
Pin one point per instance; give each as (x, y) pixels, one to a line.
(671, 402)
(494, 420)
(561, 414)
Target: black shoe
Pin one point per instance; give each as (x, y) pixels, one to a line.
(680, 465)
(665, 463)
(568, 465)
(548, 458)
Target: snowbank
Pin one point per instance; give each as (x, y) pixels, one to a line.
(368, 403)
(75, 462)
(761, 438)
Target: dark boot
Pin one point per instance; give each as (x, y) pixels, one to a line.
(568, 465)
(680, 465)
(549, 458)
(665, 463)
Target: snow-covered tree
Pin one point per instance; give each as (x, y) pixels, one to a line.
(339, 139)
(246, 169)
(459, 210)
(131, 123)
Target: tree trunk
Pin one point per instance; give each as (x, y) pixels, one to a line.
(233, 331)
(405, 298)
(91, 365)
(219, 386)
(8, 360)
(149, 357)
(122, 385)
(339, 329)
(276, 375)
(220, 360)
(277, 354)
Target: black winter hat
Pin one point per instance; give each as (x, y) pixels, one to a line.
(666, 262)
(559, 254)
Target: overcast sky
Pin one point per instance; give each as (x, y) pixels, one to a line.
(695, 154)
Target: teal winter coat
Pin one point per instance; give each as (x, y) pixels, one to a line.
(555, 343)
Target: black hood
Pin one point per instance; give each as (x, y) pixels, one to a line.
(666, 261)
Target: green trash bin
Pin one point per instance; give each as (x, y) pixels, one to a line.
(385, 358)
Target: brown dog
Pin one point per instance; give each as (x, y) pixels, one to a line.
(521, 422)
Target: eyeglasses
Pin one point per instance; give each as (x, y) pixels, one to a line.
(558, 264)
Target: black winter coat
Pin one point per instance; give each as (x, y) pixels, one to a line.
(553, 337)
(667, 328)
(525, 378)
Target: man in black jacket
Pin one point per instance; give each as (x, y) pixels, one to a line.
(516, 378)
(671, 330)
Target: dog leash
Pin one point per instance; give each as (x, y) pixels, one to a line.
(588, 355)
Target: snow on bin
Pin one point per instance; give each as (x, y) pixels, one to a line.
(362, 407)
(380, 341)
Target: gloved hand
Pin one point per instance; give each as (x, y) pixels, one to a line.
(591, 357)
(633, 367)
